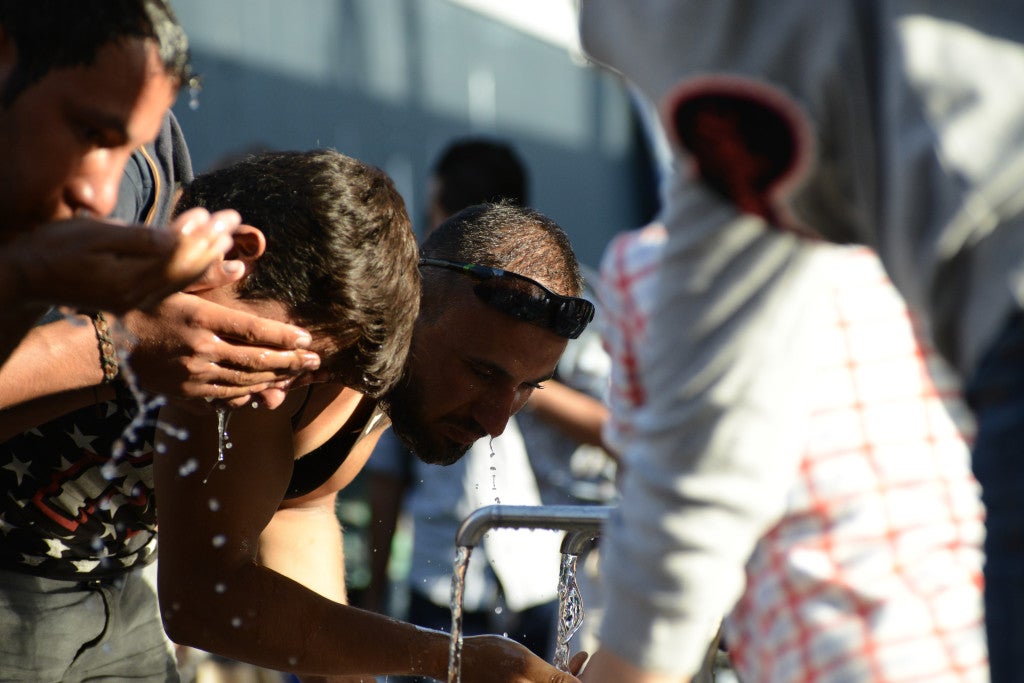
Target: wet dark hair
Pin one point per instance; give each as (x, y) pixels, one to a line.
(478, 171)
(56, 34)
(341, 254)
(506, 236)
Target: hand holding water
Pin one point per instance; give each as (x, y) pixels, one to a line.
(495, 659)
(88, 263)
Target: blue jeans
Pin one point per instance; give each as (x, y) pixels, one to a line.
(996, 395)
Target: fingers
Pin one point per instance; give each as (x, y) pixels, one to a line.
(203, 239)
(247, 365)
(253, 330)
(199, 220)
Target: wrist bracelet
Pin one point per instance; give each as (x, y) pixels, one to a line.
(108, 353)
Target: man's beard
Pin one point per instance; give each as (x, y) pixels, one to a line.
(404, 406)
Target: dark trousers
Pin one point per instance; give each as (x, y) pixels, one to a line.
(996, 395)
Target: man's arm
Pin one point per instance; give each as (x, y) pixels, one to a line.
(386, 492)
(216, 596)
(305, 543)
(387, 482)
(93, 264)
(577, 414)
(185, 347)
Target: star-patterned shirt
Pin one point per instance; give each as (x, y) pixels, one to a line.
(70, 508)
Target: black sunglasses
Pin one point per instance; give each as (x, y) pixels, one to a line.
(523, 298)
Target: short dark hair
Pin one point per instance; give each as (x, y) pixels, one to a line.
(341, 254)
(55, 34)
(477, 171)
(504, 235)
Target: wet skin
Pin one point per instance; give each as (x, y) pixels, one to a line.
(469, 371)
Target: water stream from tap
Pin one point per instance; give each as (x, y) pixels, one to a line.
(458, 586)
(570, 610)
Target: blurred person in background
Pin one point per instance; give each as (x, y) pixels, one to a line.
(871, 569)
(794, 132)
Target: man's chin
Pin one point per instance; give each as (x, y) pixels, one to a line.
(432, 451)
(437, 454)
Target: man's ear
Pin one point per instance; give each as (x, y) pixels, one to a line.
(249, 245)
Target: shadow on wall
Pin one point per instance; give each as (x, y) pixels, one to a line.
(392, 83)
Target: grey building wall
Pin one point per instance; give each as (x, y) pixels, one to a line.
(392, 81)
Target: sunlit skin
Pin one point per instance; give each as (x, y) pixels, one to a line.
(92, 118)
(477, 371)
(249, 245)
(469, 370)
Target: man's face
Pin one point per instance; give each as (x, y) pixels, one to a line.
(470, 368)
(66, 137)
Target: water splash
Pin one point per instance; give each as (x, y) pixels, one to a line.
(570, 610)
(146, 407)
(195, 86)
(494, 473)
(223, 443)
(458, 587)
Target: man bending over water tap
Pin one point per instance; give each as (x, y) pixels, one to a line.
(251, 559)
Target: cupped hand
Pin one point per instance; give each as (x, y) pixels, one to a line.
(186, 347)
(495, 659)
(87, 263)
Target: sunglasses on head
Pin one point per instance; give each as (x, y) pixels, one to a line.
(523, 298)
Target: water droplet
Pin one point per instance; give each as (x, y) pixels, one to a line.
(195, 86)
(161, 448)
(219, 540)
(188, 467)
(109, 470)
(236, 621)
(220, 588)
(214, 504)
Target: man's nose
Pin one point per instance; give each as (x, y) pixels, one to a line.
(95, 187)
(494, 411)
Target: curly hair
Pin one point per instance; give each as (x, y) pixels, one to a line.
(341, 254)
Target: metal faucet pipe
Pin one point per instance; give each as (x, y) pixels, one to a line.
(579, 542)
(587, 519)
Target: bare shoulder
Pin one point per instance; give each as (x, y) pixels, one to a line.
(328, 409)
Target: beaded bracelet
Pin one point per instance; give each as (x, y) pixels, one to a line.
(108, 353)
